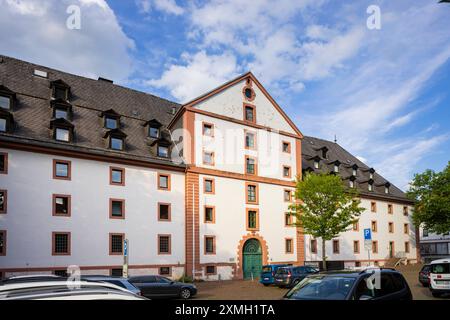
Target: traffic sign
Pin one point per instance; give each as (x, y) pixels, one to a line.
(367, 234)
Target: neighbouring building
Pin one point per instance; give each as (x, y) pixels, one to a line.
(434, 246)
(200, 189)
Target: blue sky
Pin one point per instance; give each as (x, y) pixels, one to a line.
(383, 93)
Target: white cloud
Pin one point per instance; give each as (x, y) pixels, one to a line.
(196, 74)
(39, 34)
(167, 6)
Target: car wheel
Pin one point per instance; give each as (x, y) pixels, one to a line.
(265, 284)
(435, 294)
(185, 293)
(425, 284)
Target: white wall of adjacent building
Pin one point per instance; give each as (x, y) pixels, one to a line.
(382, 235)
(30, 186)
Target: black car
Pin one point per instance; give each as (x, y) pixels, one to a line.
(424, 275)
(162, 287)
(290, 276)
(370, 284)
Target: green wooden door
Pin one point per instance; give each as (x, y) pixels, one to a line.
(252, 259)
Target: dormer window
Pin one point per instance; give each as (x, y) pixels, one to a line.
(6, 121)
(163, 151)
(2, 125)
(60, 90)
(370, 186)
(111, 119)
(354, 170)
(153, 132)
(116, 139)
(370, 175)
(62, 130)
(5, 102)
(324, 152)
(386, 190)
(61, 109)
(116, 143)
(60, 113)
(336, 165)
(351, 183)
(111, 123)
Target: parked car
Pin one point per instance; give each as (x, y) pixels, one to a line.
(352, 285)
(31, 278)
(440, 277)
(162, 287)
(290, 276)
(424, 275)
(118, 281)
(268, 273)
(61, 290)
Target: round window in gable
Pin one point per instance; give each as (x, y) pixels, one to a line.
(249, 93)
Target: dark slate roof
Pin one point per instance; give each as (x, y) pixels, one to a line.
(312, 148)
(89, 98)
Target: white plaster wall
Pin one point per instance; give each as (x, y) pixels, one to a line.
(382, 235)
(228, 144)
(29, 221)
(230, 101)
(230, 226)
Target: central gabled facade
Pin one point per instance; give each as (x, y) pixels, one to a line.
(242, 154)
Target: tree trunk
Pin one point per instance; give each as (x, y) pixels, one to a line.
(324, 260)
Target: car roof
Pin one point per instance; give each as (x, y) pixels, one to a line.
(58, 293)
(57, 284)
(353, 273)
(440, 261)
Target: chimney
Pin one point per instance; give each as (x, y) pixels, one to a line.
(104, 79)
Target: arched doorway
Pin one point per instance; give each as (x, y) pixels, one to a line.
(251, 259)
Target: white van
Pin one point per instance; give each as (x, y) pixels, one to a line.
(440, 277)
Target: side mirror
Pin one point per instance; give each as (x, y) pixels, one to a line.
(364, 297)
(172, 282)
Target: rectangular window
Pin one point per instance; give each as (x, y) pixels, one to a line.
(252, 193)
(355, 246)
(60, 93)
(116, 176)
(208, 158)
(153, 132)
(165, 271)
(405, 210)
(250, 140)
(286, 171)
(210, 245)
(374, 246)
(406, 228)
(406, 247)
(208, 129)
(373, 206)
(163, 151)
(116, 272)
(164, 211)
(374, 226)
(3, 201)
(250, 165)
(391, 227)
(61, 169)
(252, 219)
(117, 208)
(210, 214)
(287, 195)
(289, 248)
(61, 205)
(116, 143)
(335, 246)
(2, 242)
(210, 270)
(116, 243)
(313, 246)
(61, 243)
(288, 220)
(208, 186)
(5, 102)
(62, 134)
(286, 147)
(249, 113)
(2, 125)
(164, 244)
(390, 209)
(163, 181)
(111, 123)
(356, 226)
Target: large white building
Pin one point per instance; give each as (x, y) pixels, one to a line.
(201, 188)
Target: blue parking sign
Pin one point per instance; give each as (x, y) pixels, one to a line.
(367, 234)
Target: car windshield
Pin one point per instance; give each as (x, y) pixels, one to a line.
(322, 288)
(267, 269)
(282, 271)
(441, 268)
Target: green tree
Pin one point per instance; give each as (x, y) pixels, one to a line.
(431, 191)
(325, 207)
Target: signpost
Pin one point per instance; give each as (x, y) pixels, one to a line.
(125, 259)
(368, 241)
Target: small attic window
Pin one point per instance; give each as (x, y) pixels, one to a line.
(153, 132)
(163, 151)
(62, 130)
(354, 171)
(116, 143)
(370, 186)
(153, 128)
(5, 102)
(324, 152)
(6, 121)
(3, 125)
(351, 183)
(316, 164)
(61, 109)
(116, 139)
(111, 122)
(386, 189)
(62, 134)
(60, 90)
(7, 98)
(336, 167)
